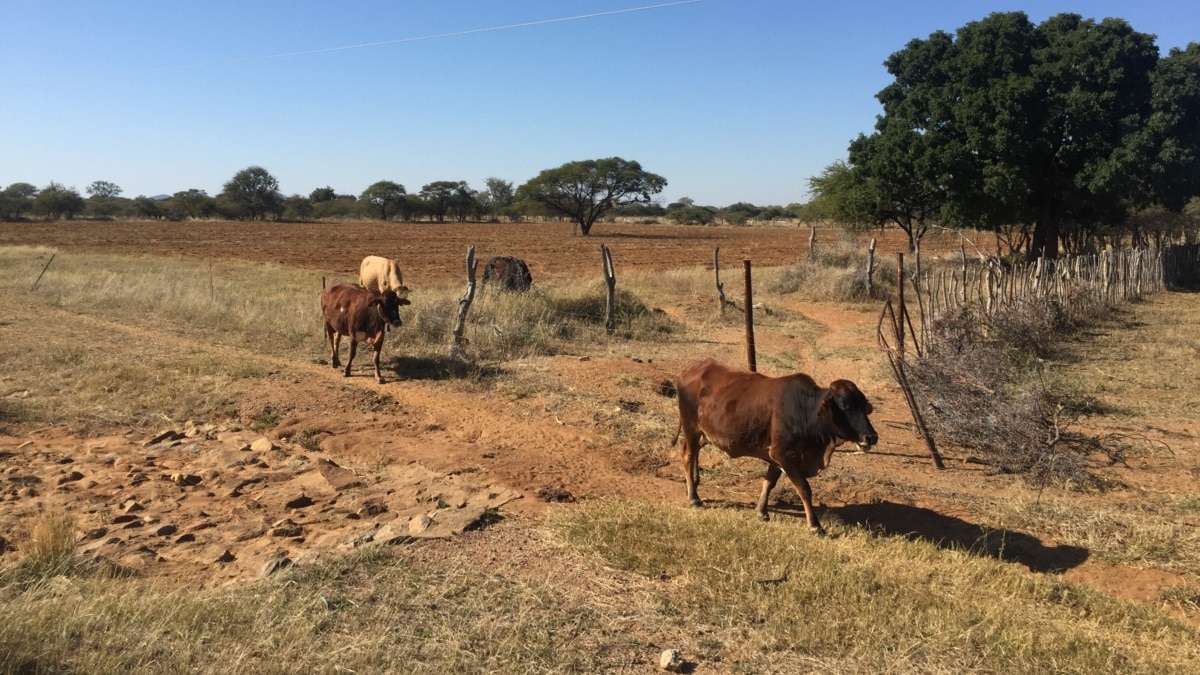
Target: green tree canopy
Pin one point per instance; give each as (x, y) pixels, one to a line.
(322, 194)
(438, 197)
(252, 192)
(17, 199)
(584, 190)
(103, 189)
(57, 201)
(193, 203)
(383, 198)
(1006, 122)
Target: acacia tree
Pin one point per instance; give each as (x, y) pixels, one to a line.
(583, 191)
(194, 203)
(16, 199)
(438, 197)
(383, 197)
(254, 192)
(58, 201)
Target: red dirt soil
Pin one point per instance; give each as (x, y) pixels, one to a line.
(421, 440)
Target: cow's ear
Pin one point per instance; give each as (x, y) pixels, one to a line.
(405, 301)
(828, 404)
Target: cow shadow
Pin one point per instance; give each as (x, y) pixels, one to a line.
(439, 368)
(948, 532)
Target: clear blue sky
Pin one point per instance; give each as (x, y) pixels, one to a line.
(729, 100)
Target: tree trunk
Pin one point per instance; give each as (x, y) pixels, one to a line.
(1045, 239)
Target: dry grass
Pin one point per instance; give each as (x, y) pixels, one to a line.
(770, 596)
(371, 612)
(47, 551)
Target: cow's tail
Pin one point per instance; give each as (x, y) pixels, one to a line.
(678, 430)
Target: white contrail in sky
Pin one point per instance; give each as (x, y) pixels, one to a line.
(425, 37)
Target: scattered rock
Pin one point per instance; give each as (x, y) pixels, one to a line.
(94, 533)
(263, 444)
(671, 661)
(185, 538)
(371, 509)
(303, 501)
(286, 528)
(185, 479)
(168, 435)
(419, 524)
(274, 564)
(70, 478)
(166, 530)
(555, 494)
(339, 478)
(131, 506)
(226, 557)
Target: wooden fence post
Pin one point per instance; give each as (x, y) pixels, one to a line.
(900, 304)
(717, 273)
(871, 269)
(610, 280)
(464, 304)
(751, 359)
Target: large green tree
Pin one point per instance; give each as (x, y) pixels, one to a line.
(1006, 122)
(383, 198)
(253, 192)
(585, 190)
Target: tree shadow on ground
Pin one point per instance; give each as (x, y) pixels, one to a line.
(437, 368)
(948, 532)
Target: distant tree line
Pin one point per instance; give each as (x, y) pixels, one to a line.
(580, 192)
(1057, 136)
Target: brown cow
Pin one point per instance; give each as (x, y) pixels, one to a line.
(377, 273)
(788, 422)
(511, 274)
(361, 315)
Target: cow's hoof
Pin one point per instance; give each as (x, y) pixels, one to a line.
(379, 380)
(696, 504)
(764, 516)
(345, 373)
(818, 531)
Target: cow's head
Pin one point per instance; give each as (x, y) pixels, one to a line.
(849, 410)
(388, 305)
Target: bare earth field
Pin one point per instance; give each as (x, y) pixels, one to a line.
(311, 464)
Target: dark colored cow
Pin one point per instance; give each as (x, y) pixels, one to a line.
(511, 274)
(361, 315)
(788, 422)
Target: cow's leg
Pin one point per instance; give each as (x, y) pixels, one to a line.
(769, 479)
(378, 349)
(691, 464)
(335, 343)
(801, 483)
(353, 349)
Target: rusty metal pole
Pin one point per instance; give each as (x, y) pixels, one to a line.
(901, 313)
(750, 357)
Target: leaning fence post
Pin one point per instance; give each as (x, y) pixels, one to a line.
(750, 354)
(46, 267)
